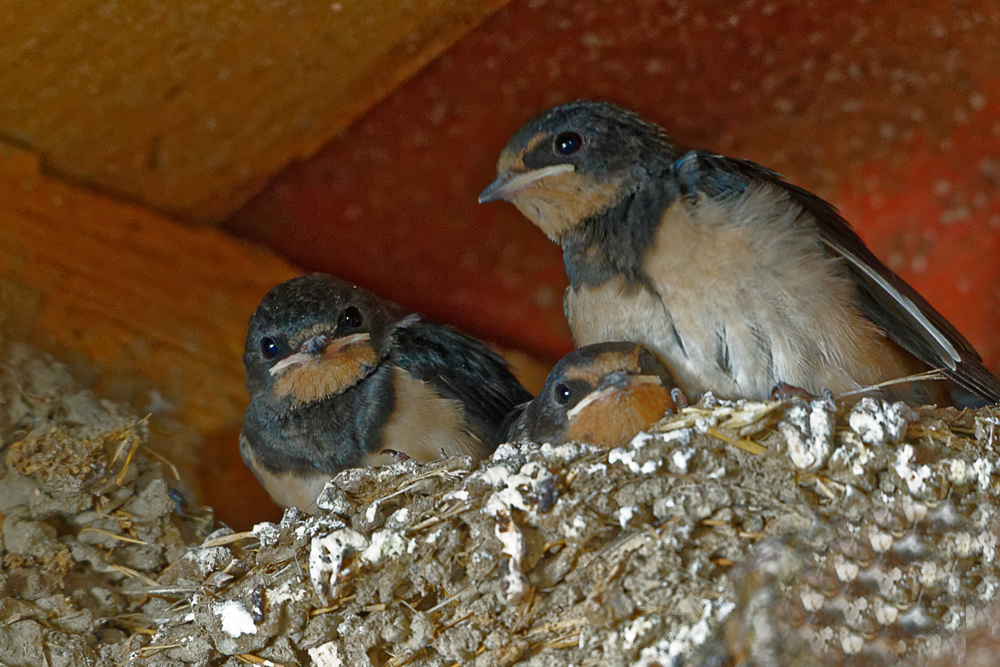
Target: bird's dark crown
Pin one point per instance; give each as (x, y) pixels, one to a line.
(613, 140)
(582, 371)
(306, 306)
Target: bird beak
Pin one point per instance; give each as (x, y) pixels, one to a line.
(509, 183)
(619, 382)
(316, 348)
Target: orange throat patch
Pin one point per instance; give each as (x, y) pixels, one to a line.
(558, 204)
(326, 375)
(614, 420)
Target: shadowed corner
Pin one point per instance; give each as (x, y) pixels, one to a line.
(230, 488)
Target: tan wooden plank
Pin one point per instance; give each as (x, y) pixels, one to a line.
(156, 311)
(189, 107)
(153, 305)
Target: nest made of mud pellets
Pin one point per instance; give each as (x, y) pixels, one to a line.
(736, 533)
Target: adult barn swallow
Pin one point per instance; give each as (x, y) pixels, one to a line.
(602, 394)
(736, 278)
(338, 377)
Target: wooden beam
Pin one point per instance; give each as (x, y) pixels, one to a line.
(190, 107)
(135, 294)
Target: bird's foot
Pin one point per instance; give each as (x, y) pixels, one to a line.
(397, 457)
(783, 391)
(679, 399)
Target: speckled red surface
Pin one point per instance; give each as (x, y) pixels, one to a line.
(890, 110)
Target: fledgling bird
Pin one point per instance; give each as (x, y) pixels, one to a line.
(735, 278)
(339, 378)
(602, 394)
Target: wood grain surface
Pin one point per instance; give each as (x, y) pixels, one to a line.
(191, 106)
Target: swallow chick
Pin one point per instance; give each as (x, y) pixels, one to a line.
(602, 394)
(735, 278)
(339, 378)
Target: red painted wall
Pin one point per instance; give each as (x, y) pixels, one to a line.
(890, 111)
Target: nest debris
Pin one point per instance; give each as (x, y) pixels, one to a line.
(791, 533)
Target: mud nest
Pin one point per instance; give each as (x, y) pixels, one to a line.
(790, 533)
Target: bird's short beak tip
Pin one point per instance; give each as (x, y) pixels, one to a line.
(511, 182)
(490, 193)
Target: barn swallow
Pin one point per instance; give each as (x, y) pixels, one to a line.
(735, 278)
(338, 378)
(602, 394)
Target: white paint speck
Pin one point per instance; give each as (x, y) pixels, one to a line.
(619, 455)
(317, 524)
(680, 436)
(962, 544)
(846, 570)
(984, 473)
(505, 451)
(987, 541)
(811, 600)
(931, 574)
(385, 544)
(878, 422)
(881, 542)
(267, 533)
(332, 499)
(284, 593)
(626, 457)
(856, 452)
(987, 425)
(808, 432)
(680, 458)
(400, 516)
(209, 560)
(851, 643)
(326, 556)
(913, 509)
(703, 424)
(685, 638)
(625, 514)
(495, 476)
(236, 620)
(886, 580)
(641, 439)
(958, 471)
(514, 585)
(989, 591)
(914, 476)
(634, 630)
(567, 452)
(885, 613)
(326, 655)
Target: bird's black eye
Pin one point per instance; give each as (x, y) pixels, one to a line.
(350, 318)
(563, 392)
(268, 347)
(568, 143)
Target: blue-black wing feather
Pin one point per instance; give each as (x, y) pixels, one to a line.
(882, 294)
(460, 367)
